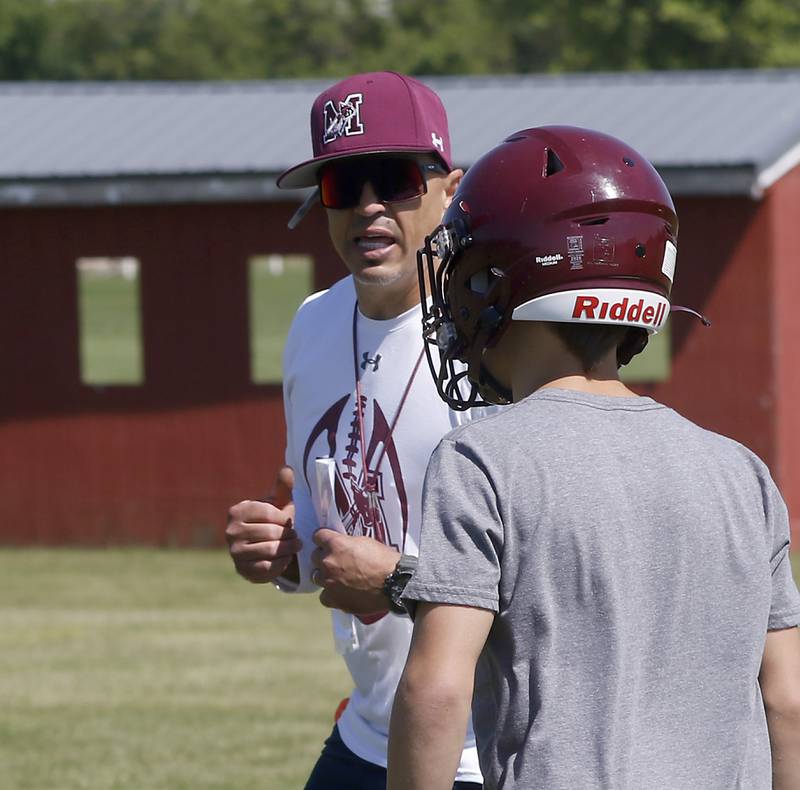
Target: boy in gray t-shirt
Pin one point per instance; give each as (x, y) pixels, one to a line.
(614, 578)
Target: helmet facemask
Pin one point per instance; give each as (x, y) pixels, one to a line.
(461, 317)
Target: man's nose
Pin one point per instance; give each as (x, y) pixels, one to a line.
(369, 203)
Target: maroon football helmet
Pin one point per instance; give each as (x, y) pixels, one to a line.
(554, 224)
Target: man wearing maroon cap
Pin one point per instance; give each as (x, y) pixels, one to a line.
(361, 417)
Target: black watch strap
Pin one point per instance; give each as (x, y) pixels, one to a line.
(395, 583)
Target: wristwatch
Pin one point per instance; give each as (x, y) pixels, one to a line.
(395, 583)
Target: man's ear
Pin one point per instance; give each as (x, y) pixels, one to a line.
(451, 185)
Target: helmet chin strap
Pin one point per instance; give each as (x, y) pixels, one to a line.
(678, 309)
(632, 344)
(490, 389)
(636, 339)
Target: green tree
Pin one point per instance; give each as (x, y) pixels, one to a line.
(258, 39)
(448, 37)
(653, 34)
(149, 39)
(23, 30)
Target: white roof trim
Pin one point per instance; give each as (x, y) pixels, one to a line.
(142, 190)
(228, 188)
(777, 170)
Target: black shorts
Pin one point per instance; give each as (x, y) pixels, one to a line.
(339, 769)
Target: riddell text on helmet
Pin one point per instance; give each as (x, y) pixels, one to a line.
(592, 308)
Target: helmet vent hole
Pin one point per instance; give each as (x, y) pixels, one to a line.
(552, 164)
(479, 282)
(515, 138)
(628, 161)
(641, 250)
(594, 221)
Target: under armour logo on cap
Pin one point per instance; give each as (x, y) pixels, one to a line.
(437, 141)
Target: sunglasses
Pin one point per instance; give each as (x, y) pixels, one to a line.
(393, 179)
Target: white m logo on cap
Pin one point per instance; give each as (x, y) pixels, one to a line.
(344, 120)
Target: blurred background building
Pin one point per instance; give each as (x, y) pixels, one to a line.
(147, 278)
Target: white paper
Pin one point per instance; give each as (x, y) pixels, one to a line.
(325, 500)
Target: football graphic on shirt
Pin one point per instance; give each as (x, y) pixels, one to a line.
(359, 495)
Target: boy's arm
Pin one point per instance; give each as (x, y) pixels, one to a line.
(780, 688)
(432, 705)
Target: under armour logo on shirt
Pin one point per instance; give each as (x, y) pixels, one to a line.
(367, 360)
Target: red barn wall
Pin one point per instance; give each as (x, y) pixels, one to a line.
(161, 463)
(783, 200)
(722, 376)
(158, 463)
(737, 264)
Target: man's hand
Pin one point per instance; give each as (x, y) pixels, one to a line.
(261, 541)
(351, 571)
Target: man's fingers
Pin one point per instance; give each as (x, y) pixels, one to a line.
(262, 571)
(237, 532)
(256, 533)
(252, 511)
(322, 537)
(265, 550)
(317, 556)
(284, 482)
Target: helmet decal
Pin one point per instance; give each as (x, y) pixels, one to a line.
(575, 252)
(668, 266)
(598, 306)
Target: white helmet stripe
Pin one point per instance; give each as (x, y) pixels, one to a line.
(623, 306)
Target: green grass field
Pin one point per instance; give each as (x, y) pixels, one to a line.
(110, 329)
(152, 669)
(110, 323)
(274, 299)
(158, 670)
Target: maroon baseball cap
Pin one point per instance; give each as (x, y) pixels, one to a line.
(374, 113)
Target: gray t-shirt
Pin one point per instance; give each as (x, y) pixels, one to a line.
(635, 562)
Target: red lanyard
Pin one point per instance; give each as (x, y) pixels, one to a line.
(371, 478)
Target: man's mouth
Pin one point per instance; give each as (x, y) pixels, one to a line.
(374, 242)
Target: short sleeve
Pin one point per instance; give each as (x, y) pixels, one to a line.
(461, 536)
(785, 605)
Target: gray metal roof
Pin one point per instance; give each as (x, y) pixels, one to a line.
(723, 132)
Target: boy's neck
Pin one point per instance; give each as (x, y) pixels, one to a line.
(542, 361)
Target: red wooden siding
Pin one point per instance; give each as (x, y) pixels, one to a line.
(158, 463)
(161, 463)
(784, 201)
